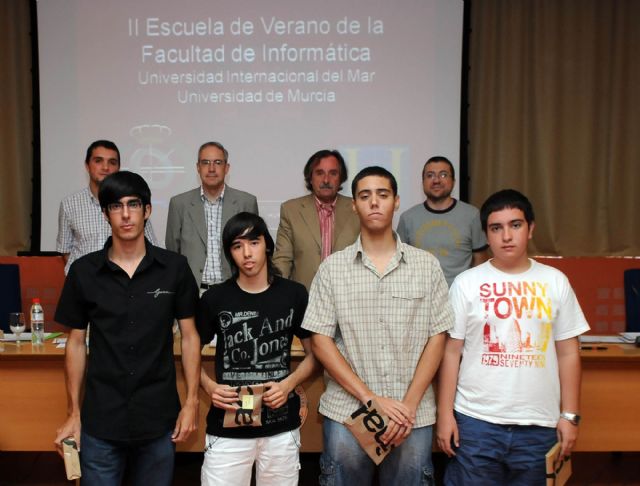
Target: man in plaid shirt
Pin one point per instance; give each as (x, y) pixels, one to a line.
(379, 310)
(82, 227)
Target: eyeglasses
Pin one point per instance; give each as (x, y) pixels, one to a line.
(208, 163)
(132, 205)
(440, 175)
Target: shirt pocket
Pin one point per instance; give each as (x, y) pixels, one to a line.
(408, 317)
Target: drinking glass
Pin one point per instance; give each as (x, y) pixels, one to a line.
(16, 324)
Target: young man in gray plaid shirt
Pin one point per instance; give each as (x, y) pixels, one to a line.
(82, 228)
(379, 311)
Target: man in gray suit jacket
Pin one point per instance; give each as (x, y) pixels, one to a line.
(314, 226)
(196, 218)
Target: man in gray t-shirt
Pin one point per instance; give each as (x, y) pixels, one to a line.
(442, 225)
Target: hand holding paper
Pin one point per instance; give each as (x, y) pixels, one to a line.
(276, 395)
(70, 429)
(567, 436)
(223, 396)
(395, 410)
(368, 423)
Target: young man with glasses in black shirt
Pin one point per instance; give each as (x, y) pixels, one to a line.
(130, 292)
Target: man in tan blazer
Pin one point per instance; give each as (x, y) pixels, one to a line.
(314, 226)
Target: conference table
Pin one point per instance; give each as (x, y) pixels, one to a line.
(33, 398)
(33, 401)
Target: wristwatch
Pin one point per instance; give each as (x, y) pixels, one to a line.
(574, 418)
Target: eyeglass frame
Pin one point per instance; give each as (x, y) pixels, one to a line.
(208, 162)
(132, 205)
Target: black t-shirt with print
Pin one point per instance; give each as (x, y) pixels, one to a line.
(254, 336)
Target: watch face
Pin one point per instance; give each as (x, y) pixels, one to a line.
(571, 417)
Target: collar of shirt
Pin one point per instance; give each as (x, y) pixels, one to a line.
(440, 211)
(320, 205)
(94, 200)
(149, 258)
(204, 197)
(358, 254)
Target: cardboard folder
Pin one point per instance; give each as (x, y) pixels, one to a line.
(71, 459)
(558, 468)
(249, 411)
(368, 424)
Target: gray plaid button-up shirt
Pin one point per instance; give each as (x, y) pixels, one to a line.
(380, 322)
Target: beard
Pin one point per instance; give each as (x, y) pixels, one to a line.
(437, 199)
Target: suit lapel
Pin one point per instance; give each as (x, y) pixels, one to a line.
(342, 215)
(229, 206)
(196, 213)
(309, 215)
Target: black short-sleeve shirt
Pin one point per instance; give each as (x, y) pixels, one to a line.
(130, 387)
(254, 336)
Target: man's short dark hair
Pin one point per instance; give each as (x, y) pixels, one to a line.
(506, 199)
(440, 158)
(214, 144)
(374, 170)
(247, 226)
(104, 144)
(122, 184)
(316, 158)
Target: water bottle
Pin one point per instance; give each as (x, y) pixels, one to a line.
(37, 323)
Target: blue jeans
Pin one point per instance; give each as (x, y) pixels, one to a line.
(344, 462)
(495, 454)
(102, 462)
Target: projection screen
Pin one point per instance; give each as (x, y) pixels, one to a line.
(274, 81)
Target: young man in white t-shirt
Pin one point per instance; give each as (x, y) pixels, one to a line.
(510, 378)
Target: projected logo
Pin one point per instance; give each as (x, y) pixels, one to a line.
(394, 158)
(153, 159)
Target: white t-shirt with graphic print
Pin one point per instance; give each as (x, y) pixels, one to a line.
(509, 323)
